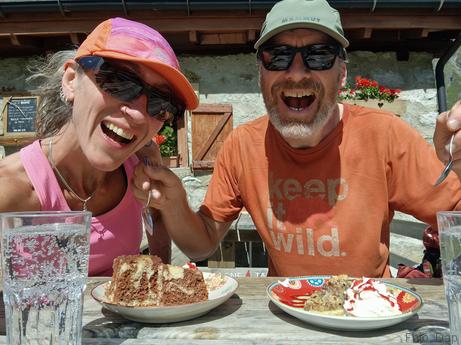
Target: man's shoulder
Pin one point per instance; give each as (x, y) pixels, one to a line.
(253, 127)
(380, 119)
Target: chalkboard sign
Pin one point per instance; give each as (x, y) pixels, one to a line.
(19, 114)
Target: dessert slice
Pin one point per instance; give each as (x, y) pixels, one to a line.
(143, 280)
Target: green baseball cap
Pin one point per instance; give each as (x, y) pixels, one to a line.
(299, 14)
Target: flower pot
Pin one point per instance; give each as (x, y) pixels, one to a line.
(397, 107)
(171, 161)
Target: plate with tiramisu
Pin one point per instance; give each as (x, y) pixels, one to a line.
(344, 303)
(144, 289)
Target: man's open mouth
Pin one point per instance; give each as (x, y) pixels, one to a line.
(298, 100)
(117, 134)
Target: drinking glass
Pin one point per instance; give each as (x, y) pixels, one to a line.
(449, 224)
(45, 266)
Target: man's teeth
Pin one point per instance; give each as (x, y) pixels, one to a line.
(119, 131)
(297, 93)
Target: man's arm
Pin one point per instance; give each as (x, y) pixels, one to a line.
(197, 235)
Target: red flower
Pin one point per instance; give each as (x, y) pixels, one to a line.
(159, 139)
(368, 89)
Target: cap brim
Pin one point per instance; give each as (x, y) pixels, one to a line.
(302, 25)
(175, 78)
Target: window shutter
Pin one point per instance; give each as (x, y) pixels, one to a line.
(211, 123)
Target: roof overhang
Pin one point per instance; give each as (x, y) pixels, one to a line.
(34, 27)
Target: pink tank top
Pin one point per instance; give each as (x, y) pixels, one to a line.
(117, 232)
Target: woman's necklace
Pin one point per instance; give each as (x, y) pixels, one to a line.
(63, 180)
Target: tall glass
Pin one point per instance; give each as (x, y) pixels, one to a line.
(45, 266)
(449, 224)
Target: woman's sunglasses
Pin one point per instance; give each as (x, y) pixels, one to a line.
(124, 85)
(317, 57)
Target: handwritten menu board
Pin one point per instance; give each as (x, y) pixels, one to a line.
(19, 114)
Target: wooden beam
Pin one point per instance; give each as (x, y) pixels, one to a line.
(11, 140)
(414, 33)
(74, 38)
(401, 22)
(14, 40)
(59, 24)
(359, 34)
(223, 38)
(193, 37)
(251, 35)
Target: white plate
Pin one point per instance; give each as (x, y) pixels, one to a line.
(348, 323)
(169, 313)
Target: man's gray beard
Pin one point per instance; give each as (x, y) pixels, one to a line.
(297, 129)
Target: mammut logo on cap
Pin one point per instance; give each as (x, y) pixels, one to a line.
(300, 19)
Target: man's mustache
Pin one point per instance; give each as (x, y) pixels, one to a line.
(303, 84)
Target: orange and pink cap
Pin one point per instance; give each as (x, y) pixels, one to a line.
(123, 39)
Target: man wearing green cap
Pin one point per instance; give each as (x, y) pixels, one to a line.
(320, 179)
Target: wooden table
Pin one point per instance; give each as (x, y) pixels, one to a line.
(248, 317)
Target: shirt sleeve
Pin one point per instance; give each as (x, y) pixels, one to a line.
(223, 201)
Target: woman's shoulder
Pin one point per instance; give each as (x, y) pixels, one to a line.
(16, 192)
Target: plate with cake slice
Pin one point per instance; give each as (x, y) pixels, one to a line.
(143, 289)
(344, 303)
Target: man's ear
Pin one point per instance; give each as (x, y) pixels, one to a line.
(68, 81)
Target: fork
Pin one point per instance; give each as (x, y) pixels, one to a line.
(447, 169)
(146, 213)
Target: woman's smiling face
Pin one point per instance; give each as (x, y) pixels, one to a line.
(107, 129)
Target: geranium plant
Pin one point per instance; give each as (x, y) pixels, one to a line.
(365, 89)
(167, 140)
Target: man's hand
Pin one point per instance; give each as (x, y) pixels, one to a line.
(448, 124)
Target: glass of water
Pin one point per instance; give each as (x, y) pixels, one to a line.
(449, 224)
(45, 267)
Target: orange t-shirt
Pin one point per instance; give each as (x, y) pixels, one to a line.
(327, 209)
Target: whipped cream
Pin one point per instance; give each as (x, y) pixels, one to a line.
(190, 265)
(369, 298)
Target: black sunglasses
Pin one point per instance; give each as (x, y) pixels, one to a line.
(317, 57)
(124, 85)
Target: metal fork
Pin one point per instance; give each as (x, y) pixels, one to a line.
(447, 169)
(146, 213)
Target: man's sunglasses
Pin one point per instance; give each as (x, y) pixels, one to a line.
(124, 85)
(317, 57)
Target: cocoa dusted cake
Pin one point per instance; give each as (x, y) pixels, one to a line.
(143, 280)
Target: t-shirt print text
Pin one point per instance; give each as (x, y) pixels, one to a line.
(319, 233)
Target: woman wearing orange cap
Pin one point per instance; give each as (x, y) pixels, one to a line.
(99, 107)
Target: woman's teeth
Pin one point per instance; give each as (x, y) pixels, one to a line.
(118, 131)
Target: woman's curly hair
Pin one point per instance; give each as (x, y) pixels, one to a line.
(54, 111)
